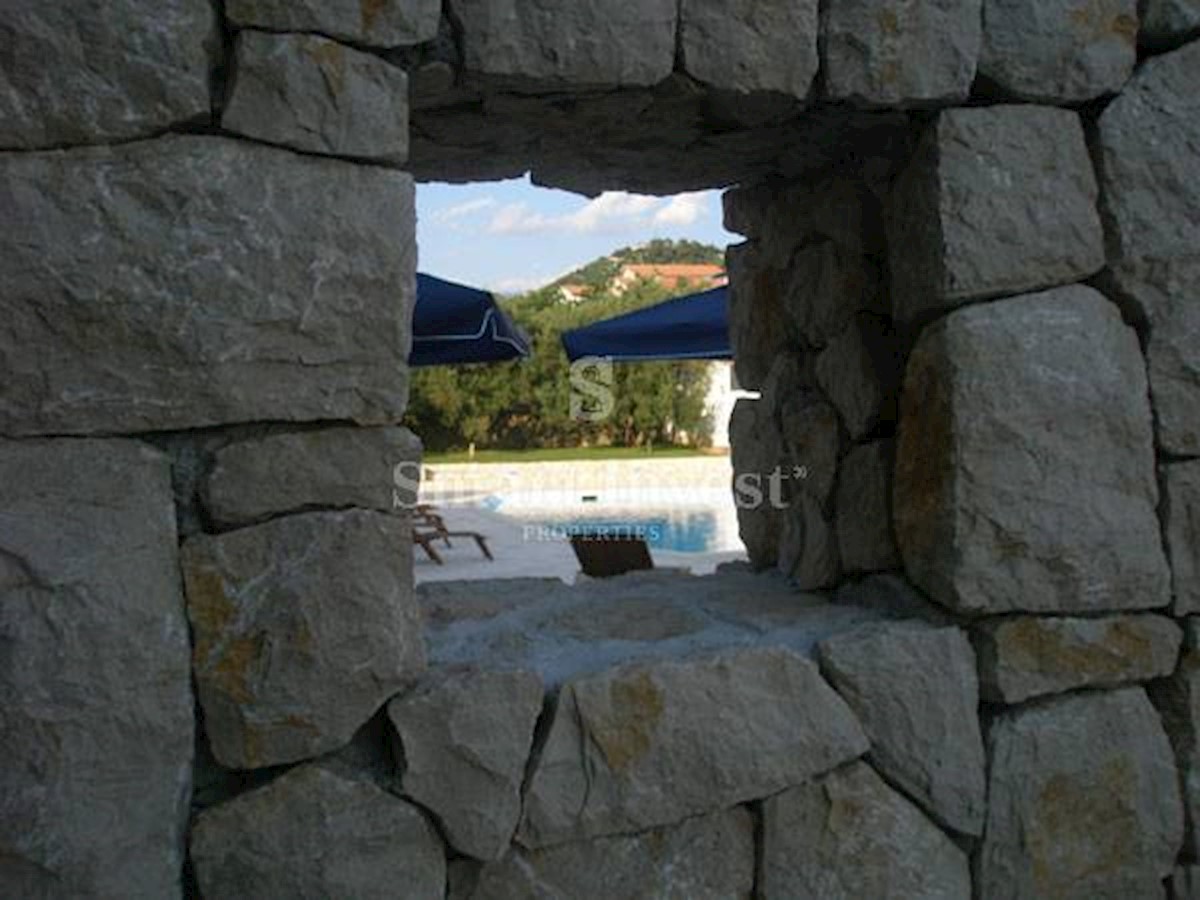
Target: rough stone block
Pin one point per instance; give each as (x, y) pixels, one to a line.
(96, 727)
(303, 627)
(313, 832)
(782, 216)
(611, 43)
(863, 513)
(825, 287)
(749, 45)
(368, 468)
(1150, 177)
(706, 858)
(193, 281)
(1058, 51)
(894, 53)
(808, 551)
(731, 727)
(318, 96)
(1178, 702)
(1183, 534)
(1030, 656)
(1025, 461)
(915, 691)
(850, 835)
(997, 200)
(1166, 23)
(812, 438)
(465, 739)
(1083, 800)
(1185, 883)
(759, 325)
(757, 451)
(87, 71)
(860, 371)
(375, 23)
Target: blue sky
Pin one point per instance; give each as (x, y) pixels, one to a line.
(509, 236)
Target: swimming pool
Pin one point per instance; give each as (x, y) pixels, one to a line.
(682, 532)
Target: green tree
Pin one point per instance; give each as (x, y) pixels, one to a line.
(527, 403)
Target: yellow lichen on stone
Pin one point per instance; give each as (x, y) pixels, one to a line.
(1038, 647)
(232, 671)
(371, 10)
(635, 710)
(210, 610)
(1081, 826)
(331, 58)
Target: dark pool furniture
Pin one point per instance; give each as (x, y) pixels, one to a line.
(605, 556)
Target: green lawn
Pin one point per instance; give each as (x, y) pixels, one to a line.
(563, 453)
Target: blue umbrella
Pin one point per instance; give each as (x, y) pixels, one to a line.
(691, 327)
(455, 324)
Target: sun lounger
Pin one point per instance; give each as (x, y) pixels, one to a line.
(604, 557)
(424, 516)
(425, 539)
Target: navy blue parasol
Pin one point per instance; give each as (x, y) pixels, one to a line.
(691, 327)
(455, 324)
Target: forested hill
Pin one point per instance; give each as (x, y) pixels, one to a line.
(526, 404)
(597, 274)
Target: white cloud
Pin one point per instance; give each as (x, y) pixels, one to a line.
(682, 210)
(611, 213)
(518, 284)
(518, 218)
(466, 208)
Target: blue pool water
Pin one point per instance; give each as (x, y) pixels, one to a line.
(692, 532)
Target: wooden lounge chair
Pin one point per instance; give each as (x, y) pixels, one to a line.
(425, 517)
(425, 539)
(604, 557)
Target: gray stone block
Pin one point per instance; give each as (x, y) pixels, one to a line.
(1166, 23)
(465, 739)
(303, 627)
(863, 511)
(1058, 51)
(374, 23)
(1025, 461)
(1083, 801)
(757, 452)
(1183, 534)
(1150, 176)
(894, 53)
(318, 96)
(1178, 702)
(859, 372)
(849, 835)
(759, 324)
(333, 468)
(1030, 656)
(316, 833)
(194, 281)
(997, 200)
(751, 45)
(609, 43)
(915, 691)
(90, 71)
(729, 727)
(96, 723)
(705, 858)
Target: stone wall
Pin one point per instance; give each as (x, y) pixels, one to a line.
(983, 372)
(967, 295)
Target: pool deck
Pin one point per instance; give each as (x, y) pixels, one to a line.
(519, 552)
